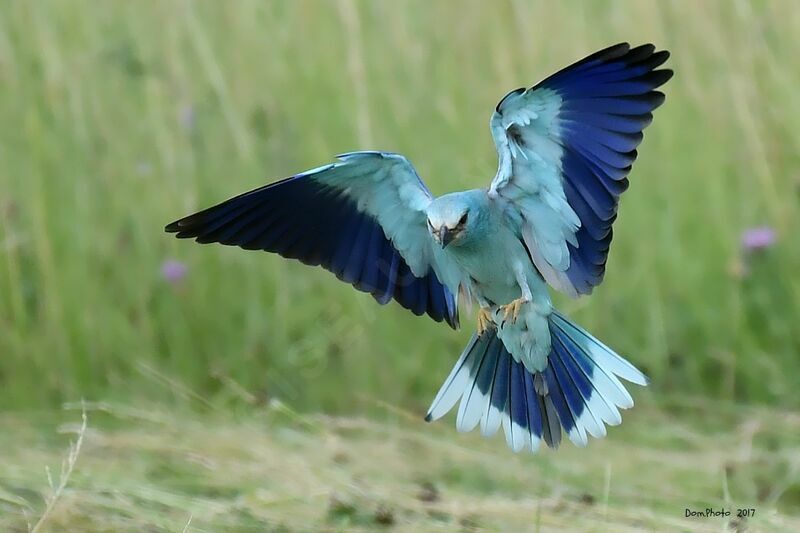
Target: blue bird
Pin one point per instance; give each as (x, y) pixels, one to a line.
(565, 148)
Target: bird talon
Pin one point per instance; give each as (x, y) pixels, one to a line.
(484, 320)
(512, 310)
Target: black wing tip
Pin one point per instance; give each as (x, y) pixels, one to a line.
(664, 75)
(659, 77)
(642, 54)
(185, 228)
(658, 58)
(623, 51)
(428, 418)
(615, 51)
(179, 226)
(645, 54)
(656, 98)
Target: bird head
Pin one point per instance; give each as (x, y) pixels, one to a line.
(450, 219)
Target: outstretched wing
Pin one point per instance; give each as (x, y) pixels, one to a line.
(566, 146)
(362, 218)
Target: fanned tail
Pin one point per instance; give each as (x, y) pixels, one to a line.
(579, 389)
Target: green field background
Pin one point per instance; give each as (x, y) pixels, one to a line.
(123, 117)
(119, 117)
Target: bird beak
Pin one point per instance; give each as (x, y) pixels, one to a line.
(445, 236)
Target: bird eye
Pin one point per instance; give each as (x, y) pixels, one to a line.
(463, 219)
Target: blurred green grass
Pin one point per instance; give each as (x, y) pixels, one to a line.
(120, 117)
(143, 468)
(116, 118)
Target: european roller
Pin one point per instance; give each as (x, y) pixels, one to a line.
(565, 147)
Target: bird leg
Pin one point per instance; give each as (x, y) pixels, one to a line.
(484, 320)
(513, 308)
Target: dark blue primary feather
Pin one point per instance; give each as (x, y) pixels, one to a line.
(607, 100)
(306, 219)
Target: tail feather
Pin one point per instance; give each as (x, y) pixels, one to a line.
(516, 437)
(455, 384)
(551, 430)
(599, 410)
(599, 352)
(603, 388)
(492, 418)
(568, 406)
(579, 390)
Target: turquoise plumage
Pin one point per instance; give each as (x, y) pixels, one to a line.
(565, 149)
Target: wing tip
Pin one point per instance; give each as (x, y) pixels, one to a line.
(183, 227)
(661, 76)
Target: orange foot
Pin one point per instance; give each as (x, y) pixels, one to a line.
(484, 320)
(512, 309)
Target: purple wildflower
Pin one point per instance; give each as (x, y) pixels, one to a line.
(173, 271)
(759, 238)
